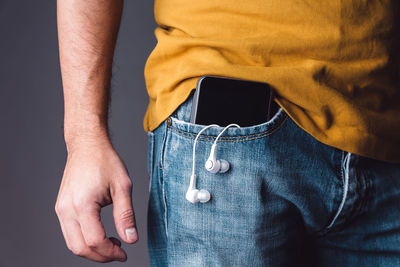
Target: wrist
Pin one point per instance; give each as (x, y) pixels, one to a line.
(86, 131)
(85, 140)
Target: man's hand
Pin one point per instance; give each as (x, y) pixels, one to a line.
(94, 177)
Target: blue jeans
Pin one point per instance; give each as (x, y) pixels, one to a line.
(287, 199)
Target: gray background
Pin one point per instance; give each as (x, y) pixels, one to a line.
(32, 150)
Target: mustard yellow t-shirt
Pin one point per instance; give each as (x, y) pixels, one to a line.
(333, 64)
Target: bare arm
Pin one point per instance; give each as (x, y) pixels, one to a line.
(94, 174)
(87, 35)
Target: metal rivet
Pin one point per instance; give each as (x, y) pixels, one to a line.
(169, 121)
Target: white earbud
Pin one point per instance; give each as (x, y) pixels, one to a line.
(194, 195)
(213, 164)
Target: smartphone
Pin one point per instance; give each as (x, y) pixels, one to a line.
(222, 101)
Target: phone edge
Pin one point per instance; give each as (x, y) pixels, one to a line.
(193, 112)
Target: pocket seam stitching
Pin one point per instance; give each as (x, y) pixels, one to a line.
(226, 138)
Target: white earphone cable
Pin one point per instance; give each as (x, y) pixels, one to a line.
(226, 127)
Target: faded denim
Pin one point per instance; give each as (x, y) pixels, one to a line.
(288, 199)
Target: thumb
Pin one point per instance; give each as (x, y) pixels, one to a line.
(124, 216)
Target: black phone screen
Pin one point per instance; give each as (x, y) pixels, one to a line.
(223, 101)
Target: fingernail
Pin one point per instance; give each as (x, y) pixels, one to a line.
(131, 234)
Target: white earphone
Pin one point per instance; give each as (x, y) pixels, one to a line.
(213, 165)
(193, 194)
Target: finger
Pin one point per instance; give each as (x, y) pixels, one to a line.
(74, 239)
(64, 231)
(95, 236)
(77, 244)
(123, 213)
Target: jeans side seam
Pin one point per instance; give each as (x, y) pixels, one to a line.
(345, 177)
(161, 167)
(165, 207)
(161, 163)
(151, 157)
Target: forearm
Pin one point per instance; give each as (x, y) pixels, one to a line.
(87, 32)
